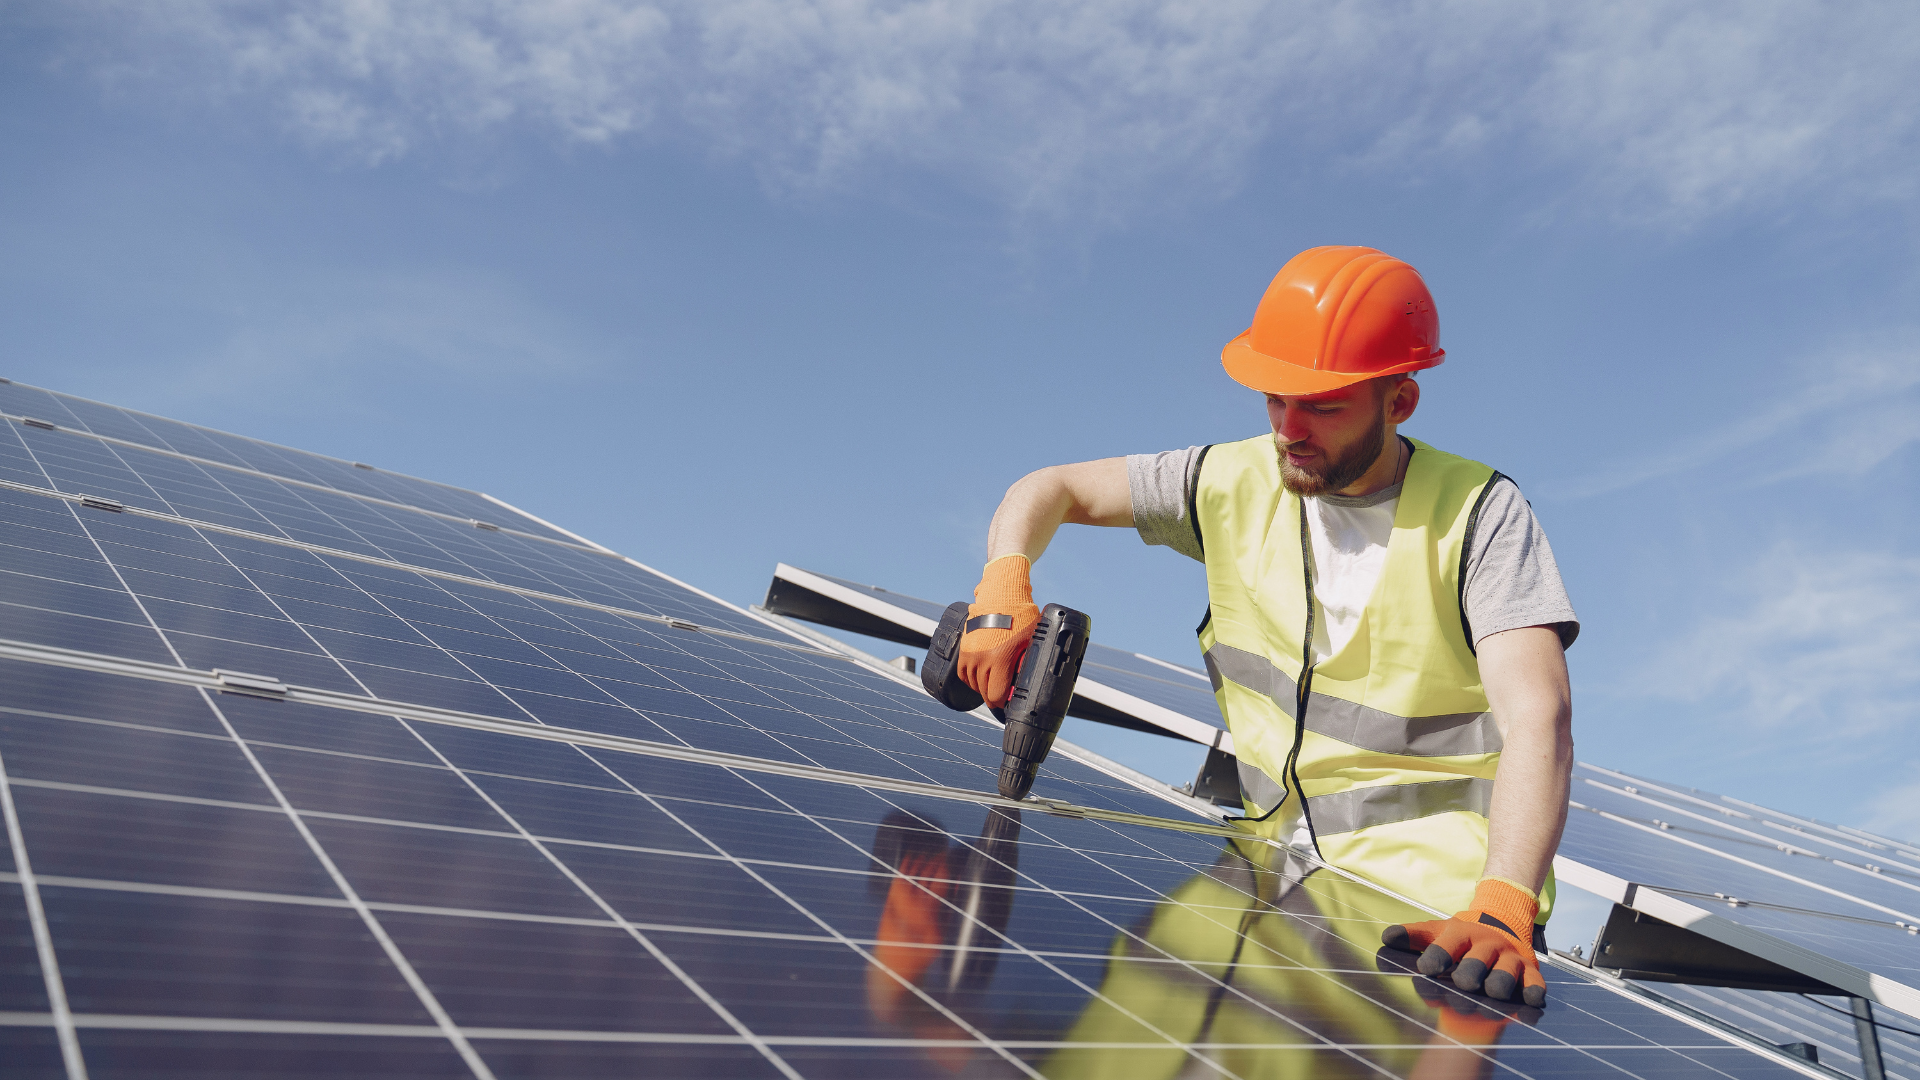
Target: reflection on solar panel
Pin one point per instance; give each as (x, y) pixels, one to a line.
(304, 775)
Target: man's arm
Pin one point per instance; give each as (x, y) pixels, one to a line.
(1087, 493)
(1524, 672)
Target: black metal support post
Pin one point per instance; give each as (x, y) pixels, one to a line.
(1869, 1040)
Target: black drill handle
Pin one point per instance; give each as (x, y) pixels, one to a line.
(940, 675)
(1041, 691)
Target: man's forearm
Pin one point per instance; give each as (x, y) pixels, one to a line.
(1529, 808)
(1525, 674)
(1087, 493)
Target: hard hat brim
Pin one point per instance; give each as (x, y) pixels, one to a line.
(1270, 375)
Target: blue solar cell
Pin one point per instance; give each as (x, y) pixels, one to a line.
(146, 954)
(229, 1055)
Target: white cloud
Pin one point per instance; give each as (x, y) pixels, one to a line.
(1845, 412)
(1818, 638)
(1669, 111)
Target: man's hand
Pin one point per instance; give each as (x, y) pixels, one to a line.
(1001, 621)
(1488, 947)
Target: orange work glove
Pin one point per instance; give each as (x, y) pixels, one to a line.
(1488, 946)
(1000, 622)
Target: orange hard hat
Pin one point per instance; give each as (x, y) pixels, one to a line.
(1333, 317)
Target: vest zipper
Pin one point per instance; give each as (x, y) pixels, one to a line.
(1304, 687)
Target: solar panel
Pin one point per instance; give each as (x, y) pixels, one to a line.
(278, 806)
(1833, 904)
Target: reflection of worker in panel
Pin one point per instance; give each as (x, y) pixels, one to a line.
(1245, 963)
(1386, 626)
(1251, 960)
(940, 922)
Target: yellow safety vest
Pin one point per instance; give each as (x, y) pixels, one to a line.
(1389, 740)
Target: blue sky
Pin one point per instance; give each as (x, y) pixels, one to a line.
(731, 283)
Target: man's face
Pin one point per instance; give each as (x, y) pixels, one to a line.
(1328, 441)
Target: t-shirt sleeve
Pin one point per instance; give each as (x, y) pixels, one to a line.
(1162, 487)
(1512, 580)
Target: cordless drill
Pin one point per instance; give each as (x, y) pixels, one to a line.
(1041, 690)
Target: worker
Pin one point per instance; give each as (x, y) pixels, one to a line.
(1386, 628)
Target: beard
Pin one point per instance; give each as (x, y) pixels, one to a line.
(1339, 472)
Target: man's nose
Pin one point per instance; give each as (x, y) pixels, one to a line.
(1291, 425)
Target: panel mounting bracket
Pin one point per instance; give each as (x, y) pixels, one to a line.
(1635, 945)
(237, 682)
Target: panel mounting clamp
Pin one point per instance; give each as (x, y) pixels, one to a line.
(98, 503)
(43, 425)
(236, 682)
(487, 525)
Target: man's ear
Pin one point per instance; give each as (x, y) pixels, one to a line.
(1402, 401)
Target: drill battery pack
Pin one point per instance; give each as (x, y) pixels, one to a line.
(1041, 691)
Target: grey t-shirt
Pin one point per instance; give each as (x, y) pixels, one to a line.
(1512, 580)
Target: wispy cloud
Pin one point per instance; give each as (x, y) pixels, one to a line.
(1671, 110)
(1844, 414)
(1816, 637)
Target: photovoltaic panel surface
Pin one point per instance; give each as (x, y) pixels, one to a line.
(1840, 895)
(1156, 695)
(457, 824)
(218, 448)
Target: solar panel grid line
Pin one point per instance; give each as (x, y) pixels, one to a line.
(1062, 746)
(395, 956)
(1724, 825)
(1313, 859)
(1906, 919)
(1835, 834)
(428, 1000)
(654, 950)
(59, 1013)
(1872, 873)
(1764, 815)
(335, 535)
(865, 953)
(1092, 992)
(531, 729)
(444, 575)
(159, 443)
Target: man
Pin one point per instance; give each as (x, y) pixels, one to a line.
(1386, 625)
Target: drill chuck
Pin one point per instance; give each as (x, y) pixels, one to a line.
(1041, 691)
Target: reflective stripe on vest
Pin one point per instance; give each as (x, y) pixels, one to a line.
(1384, 804)
(1452, 735)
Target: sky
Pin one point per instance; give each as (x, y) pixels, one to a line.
(726, 284)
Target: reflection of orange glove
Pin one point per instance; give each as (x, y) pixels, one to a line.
(1489, 945)
(1000, 623)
